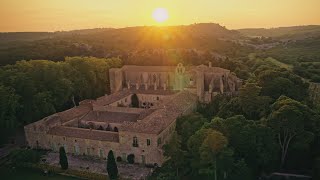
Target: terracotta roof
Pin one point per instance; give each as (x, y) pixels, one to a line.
(105, 100)
(84, 133)
(155, 92)
(74, 112)
(146, 113)
(148, 68)
(110, 117)
(162, 118)
(53, 119)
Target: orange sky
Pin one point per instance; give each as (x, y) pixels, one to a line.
(55, 15)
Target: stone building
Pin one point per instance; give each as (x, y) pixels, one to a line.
(111, 123)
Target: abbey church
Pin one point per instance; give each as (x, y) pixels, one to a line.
(112, 122)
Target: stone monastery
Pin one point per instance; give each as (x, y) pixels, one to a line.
(111, 122)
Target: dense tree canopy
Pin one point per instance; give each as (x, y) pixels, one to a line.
(31, 90)
(270, 126)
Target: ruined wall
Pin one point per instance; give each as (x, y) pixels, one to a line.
(115, 77)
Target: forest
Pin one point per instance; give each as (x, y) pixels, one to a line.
(31, 90)
(272, 125)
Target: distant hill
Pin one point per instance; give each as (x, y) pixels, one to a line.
(202, 29)
(106, 42)
(295, 32)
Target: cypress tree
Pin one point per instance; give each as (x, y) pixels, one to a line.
(63, 158)
(135, 101)
(112, 166)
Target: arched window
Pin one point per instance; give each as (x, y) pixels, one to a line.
(135, 142)
(91, 125)
(108, 128)
(154, 78)
(116, 129)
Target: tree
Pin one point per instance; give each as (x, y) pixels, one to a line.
(188, 125)
(9, 104)
(135, 101)
(214, 151)
(63, 160)
(173, 150)
(249, 136)
(112, 168)
(290, 120)
(252, 104)
(240, 169)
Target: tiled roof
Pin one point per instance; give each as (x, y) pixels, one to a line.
(154, 92)
(74, 112)
(162, 118)
(84, 133)
(105, 100)
(53, 119)
(110, 117)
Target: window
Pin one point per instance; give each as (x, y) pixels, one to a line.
(159, 141)
(158, 98)
(148, 142)
(101, 153)
(135, 142)
(65, 148)
(125, 100)
(88, 151)
(76, 149)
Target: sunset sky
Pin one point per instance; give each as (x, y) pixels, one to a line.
(55, 15)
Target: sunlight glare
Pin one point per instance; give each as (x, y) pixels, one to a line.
(160, 15)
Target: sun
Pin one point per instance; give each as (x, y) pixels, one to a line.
(160, 15)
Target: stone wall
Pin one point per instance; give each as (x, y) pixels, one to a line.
(151, 153)
(80, 146)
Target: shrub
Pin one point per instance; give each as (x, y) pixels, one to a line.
(130, 158)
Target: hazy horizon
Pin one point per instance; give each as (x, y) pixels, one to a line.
(59, 15)
(156, 26)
